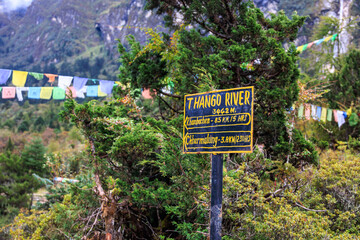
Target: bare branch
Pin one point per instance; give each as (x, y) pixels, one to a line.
(308, 209)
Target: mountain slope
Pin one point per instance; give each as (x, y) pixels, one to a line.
(52, 32)
(76, 37)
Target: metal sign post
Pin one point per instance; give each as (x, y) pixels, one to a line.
(216, 196)
(218, 122)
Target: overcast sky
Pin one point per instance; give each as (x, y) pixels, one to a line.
(11, 5)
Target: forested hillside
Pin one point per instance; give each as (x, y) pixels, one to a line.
(114, 168)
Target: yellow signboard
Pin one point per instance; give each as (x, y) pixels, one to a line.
(219, 121)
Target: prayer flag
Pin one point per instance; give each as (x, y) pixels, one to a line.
(327, 38)
(341, 119)
(333, 37)
(318, 113)
(92, 91)
(335, 116)
(348, 112)
(46, 93)
(100, 93)
(304, 47)
(106, 86)
(51, 77)
(8, 92)
(353, 119)
(323, 114)
(307, 111)
(310, 44)
(19, 91)
(301, 111)
(37, 76)
(329, 115)
(299, 49)
(64, 82)
(58, 93)
(319, 41)
(19, 78)
(70, 92)
(79, 83)
(34, 92)
(81, 93)
(4, 76)
(313, 111)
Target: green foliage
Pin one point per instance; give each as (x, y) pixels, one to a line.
(68, 204)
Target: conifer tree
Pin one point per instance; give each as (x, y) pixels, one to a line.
(236, 46)
(33, 158)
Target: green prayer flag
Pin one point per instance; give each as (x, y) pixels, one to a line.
(305, 47)
(301, 111)
(353, 120)
(329, 115)
(37, 76)
(58, 93)
(333, 37)
(0, 89)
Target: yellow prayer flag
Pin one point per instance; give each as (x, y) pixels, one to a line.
(46, 92)
(349, 111)
(19, 78)
(327, 38)
(323, 114)
(299, 49)
(100, 93)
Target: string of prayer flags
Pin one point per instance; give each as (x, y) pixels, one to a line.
(327, 115)
(79, 83)
(19, 93)
(64, 82)
(19, 78)
(37, 76)
(58, 93)
(65, 180)
(317, 42)
(92, 91)
(77, 90)
(46, 93)
(106, 86)
(4, 76)
(8, 92)
(34, 92)
(51, 77)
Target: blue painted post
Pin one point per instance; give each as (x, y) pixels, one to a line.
(216, 196)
